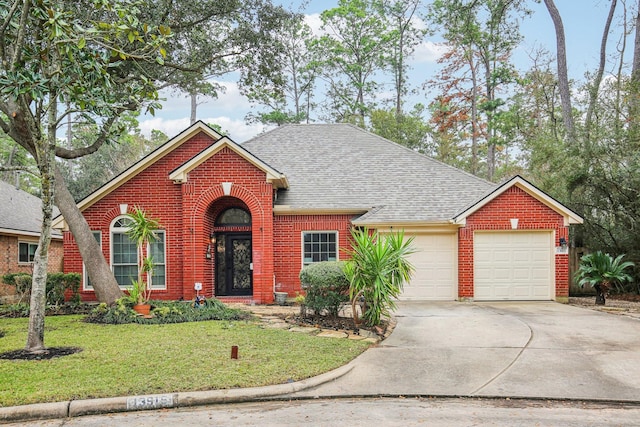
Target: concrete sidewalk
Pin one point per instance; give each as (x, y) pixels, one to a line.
(518, 350)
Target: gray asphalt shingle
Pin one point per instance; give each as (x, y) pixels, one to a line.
(340, 166)
(20, 211)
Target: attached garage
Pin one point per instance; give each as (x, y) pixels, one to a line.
(514, 265)
(435, 262)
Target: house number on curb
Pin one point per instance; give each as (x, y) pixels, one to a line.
(150, 402)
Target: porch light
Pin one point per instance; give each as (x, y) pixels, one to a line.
(212, 238)
(563, 243)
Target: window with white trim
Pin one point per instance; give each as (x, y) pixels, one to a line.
(124, 255)
(158, 255)
(319, 246)
(26, 252)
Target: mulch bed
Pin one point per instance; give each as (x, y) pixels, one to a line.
(335, 323)
(46, 354)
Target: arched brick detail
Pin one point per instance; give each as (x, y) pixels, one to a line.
(199, 267)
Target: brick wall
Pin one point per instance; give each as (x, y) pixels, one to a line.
(9, 261)
(186, 212)
(9, 255)
(496, 215)
(287, 244)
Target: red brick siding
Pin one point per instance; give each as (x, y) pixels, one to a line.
(9, 255)
(287, 244)
(495, 215)
(187, 211)
(9, 260)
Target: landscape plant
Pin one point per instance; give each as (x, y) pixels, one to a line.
(326, 285)
(602, 272)
(57, 285)
(142, 230)
(164, 312)
(378, 269)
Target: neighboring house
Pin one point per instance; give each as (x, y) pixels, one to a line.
(20, 223)
(242, 220)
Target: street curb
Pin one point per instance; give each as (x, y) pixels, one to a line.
(77, 408)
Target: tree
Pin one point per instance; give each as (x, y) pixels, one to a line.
(400, 18)
(352, 50)
(212, 38)
(289, 99)
(59, 58)
(410, 129)
(482, 36)
(563, 79)
(86, 174)
(100, 62)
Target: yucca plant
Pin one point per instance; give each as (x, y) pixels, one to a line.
(601, 271)
(377, 272)
(142, 230)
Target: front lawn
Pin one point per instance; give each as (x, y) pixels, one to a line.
(133, 359)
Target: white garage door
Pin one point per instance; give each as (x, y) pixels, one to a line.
(435, 262)
(513, 265)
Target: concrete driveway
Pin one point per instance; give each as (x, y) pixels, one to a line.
(515, 349)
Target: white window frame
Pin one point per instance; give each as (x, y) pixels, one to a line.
(29, 245)
(119, 230)
(113, 230)
(164, 264)
(311, 232)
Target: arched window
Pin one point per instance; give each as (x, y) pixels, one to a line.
(124, 255)
(234, 217)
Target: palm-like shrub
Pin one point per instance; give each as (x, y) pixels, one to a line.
(142, 230)
(377, 272)
(601, 271)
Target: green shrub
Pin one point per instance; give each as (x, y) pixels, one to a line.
(21, 281)
(57, 285)
(20, 309)
(164, 312)
(326, 285)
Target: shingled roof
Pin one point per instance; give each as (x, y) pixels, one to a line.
(21, 213)
(342, 167)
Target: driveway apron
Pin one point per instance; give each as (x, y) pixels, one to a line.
(540, 350)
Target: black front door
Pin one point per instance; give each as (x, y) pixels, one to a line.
(233, 265)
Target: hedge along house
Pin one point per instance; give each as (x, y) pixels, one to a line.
(240, 221)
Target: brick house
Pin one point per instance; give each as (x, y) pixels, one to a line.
(20, 222)
(240, 221)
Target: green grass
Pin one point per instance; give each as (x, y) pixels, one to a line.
(133, 359)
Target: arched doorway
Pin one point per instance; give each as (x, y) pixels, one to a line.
(233, 263)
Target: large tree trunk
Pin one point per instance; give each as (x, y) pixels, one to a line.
(634, 98)
(194, 107)
(595, 86)
(38, 303)
(563, 78)
(104, 283)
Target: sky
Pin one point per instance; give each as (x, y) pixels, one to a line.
(583, 21)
